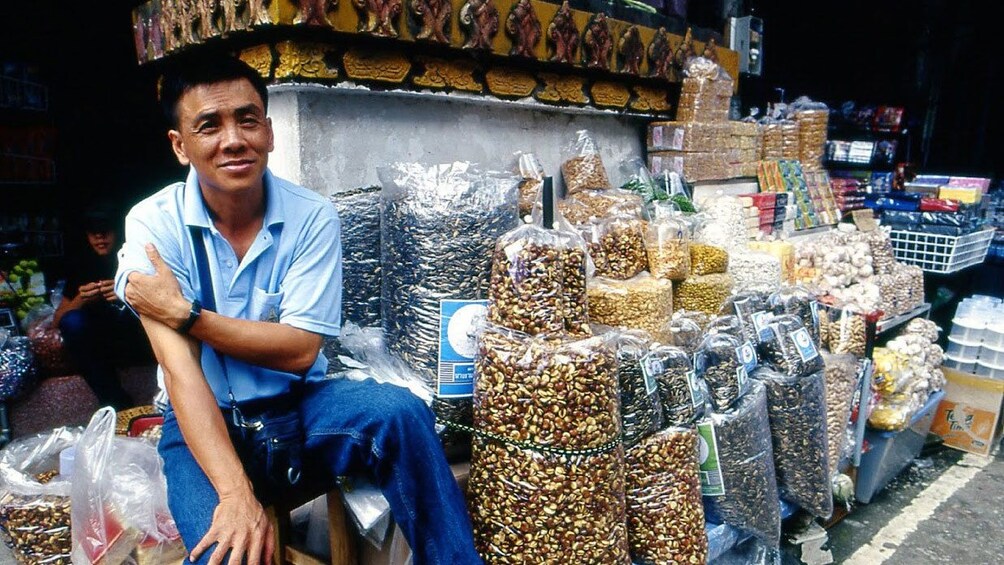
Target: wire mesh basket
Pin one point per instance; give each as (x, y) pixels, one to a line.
(941, 253)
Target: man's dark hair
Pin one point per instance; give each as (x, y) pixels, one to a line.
(190, 71)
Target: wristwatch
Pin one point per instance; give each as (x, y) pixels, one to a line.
(193, 316)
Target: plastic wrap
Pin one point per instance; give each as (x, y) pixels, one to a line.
(46, 342)
(667, 244)
(728, 325)
(18, 368)
(119, 499)
(359, 212)
(750, 308)
(789, 139)
(704, 293)
(773, 140)
(539, 404)
(35, 500)
(847, 332)
(799, 302)
(682, 395)
(841, 381)
(785, 345)
(366, 345)
(741, 485)
(721, 362)
(686, 136)
(643, 302)
(684, 332)
(641, 409)
(663, 494)
(813, 119)
(797, 410)
(708, 259)
(583, 167)
(752, 270)
(883, 256)
(593, 204)
(725, 225)
(619, 252)
(531, 174)
(706, 92)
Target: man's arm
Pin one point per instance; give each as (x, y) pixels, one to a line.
(274, 346)
(239, 522)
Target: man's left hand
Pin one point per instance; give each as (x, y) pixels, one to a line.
(157, 296)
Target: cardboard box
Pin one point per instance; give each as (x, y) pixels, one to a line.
(969, 417)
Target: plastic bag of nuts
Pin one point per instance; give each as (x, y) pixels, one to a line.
(728, 325)
(667, 243)
(708, 259)
(684, 332)
(620, 252)
(34, 500)
(583, 167)
(799, 302)
(641, 409)
(724, 363)
(754, 271)
(848, 333)
(704, 293)
(663, 494)
(750, 307)
(738, 479)
(682, 394)
(785, 345)
(531, 174)
(592, 204)
(643, 302)
(797, 409)
(527, 281)
(841, 373)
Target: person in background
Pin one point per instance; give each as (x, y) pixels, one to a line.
(95, 326)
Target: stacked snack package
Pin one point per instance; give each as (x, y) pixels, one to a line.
(359, 212)
(531, 174)
(547, 467)
(642, 302)
(438, 225)
(738, 480)
(773, 140)
(706, 92)
(663, 487)
(813, 119)
(790, 138)
(583, 168)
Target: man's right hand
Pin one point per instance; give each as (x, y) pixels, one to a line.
(241, 527)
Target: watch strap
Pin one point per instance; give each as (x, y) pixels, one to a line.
(193, 316)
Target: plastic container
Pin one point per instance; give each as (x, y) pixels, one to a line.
(961, 349)
(891, 452)
(993, 336)
(989, 370)
(968, 329)
(992, 355)
(962, 365)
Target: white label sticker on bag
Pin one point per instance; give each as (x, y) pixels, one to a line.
(803, 343)
(458, 346)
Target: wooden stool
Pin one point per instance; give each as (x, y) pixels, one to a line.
(342, 538)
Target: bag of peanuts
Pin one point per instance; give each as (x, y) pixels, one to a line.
(724, 363)
(785, 345)
(682, 394)
(582, 167)
(667, 245)
(703, 293)
(35, 499)
(642, 302)
(641, 409)
(738, 478)
(842, 374)
(797, 410)
(531, 174)
(547, 465)
(663, 494)
(847, 332)
(47, 342)
(708, 259)
(617, 246)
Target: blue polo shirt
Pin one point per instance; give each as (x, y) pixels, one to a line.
(292, 274)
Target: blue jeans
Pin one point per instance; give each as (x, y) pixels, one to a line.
(352, 429)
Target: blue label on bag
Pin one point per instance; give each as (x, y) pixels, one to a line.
(747, 357)
(458, 344)
(803, 344)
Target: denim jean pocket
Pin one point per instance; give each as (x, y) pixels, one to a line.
(278, 444)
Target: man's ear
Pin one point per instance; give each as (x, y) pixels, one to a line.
(178, 146)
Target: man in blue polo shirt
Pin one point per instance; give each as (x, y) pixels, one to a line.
(236, 276)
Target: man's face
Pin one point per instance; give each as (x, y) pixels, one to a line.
(223, 132)
(101, 242)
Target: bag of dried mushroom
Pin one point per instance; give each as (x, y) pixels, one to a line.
(35, 500)
(582, 167)
(547, 465)
(797, 410)
(738, 479)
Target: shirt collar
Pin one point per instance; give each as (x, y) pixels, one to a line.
(196, 214)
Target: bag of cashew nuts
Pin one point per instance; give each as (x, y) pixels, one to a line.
(785, 345)
(737, 474)
(35, 499)
(797, 409)
(842, 373)
(641, 409)
(582, 166)
(682, 394)
(643, 302)
(547, 466)
(667, 244)
(724, 363)
(663, 493)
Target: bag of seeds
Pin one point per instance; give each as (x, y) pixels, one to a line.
(728, 325)
(797, 409)
(703, 293)
(531, 174)
(682, 394)
(359, 212)
(785, 345)
(800, 302)
(642, 302)
(641, 409)
(724, 363)
(34, 499)
(621, 247)
(583, 167)
(754, 271)
(708, 259)
(667, 244)
(737, 474)
(684, 332)
(841, 375)
(750, 307)
(18, 369)
(547, 467)
(663, 493)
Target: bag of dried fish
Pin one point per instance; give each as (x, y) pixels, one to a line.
(797, 409)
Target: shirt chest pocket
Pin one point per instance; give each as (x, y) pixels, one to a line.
(265, 306)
